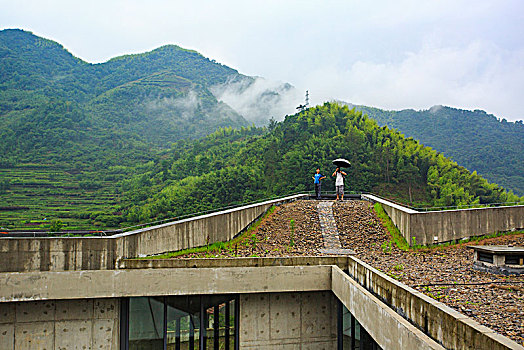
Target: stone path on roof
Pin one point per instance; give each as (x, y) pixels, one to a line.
(329, 230)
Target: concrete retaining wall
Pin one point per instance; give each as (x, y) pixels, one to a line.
(60, 324)
(448, 225)
(94, 253)
(193, 232)
(57, 254)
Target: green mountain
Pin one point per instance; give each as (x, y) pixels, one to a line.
(157, 97)
(476, 140)
(238, 166)
(70, 130)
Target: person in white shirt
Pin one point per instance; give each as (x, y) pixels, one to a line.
(339, 183)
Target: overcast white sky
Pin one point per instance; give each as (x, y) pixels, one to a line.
(389, 54)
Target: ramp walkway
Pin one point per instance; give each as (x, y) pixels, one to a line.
(328, 225)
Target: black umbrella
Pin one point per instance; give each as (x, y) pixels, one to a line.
(342, 163)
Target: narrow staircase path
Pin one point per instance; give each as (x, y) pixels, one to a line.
(328, 226)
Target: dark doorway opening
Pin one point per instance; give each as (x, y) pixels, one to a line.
(351, 334)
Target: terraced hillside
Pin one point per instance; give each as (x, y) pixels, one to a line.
(35, 195)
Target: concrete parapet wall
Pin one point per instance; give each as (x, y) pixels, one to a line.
(448, 225)
(193, 232)
(448, 327)
(95, 253)
(385, 326)
(340, 261)
(30, 286)
(57, 254)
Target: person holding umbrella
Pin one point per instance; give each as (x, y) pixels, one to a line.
(339, 173)
(316, 178)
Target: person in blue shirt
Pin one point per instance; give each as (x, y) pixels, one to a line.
(317, 177)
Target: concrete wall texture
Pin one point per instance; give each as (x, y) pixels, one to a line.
(30, 286)
(305, 320)
(448, 225)
(391, 312)
(95, 253)
(60, 324)
(386, 327)
(57, 254)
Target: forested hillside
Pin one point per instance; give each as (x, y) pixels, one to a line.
(70, 130)
(112, 144)
(236, 166)
(50, 97)
(476, 140)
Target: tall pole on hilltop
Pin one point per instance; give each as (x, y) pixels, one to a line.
(307, 98)
(305, 106)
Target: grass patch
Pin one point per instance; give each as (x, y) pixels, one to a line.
(398, 267)
(218, 247)
(395, 234)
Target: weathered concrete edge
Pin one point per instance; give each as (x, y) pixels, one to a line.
(389, 329)
(373, 198)
(440, 308)
(217, 213)
(449, 225)
(340, 261)
(29, 286)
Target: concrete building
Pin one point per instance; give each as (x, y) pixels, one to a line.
(89, 293)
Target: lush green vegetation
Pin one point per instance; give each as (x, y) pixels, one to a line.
(119, 143)
(119, 109)
(474, 139)
(70, 131)
(234, 166)
(396, 236)
(35, 195)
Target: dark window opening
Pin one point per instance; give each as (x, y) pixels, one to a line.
(485, 257)
(514, 259)
(180, 322)
(352, 335)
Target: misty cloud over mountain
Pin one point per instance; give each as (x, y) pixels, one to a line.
(258, 99)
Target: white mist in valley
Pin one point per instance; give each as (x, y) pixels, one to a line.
(258, 99)
(184, 107)
(190, 106)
